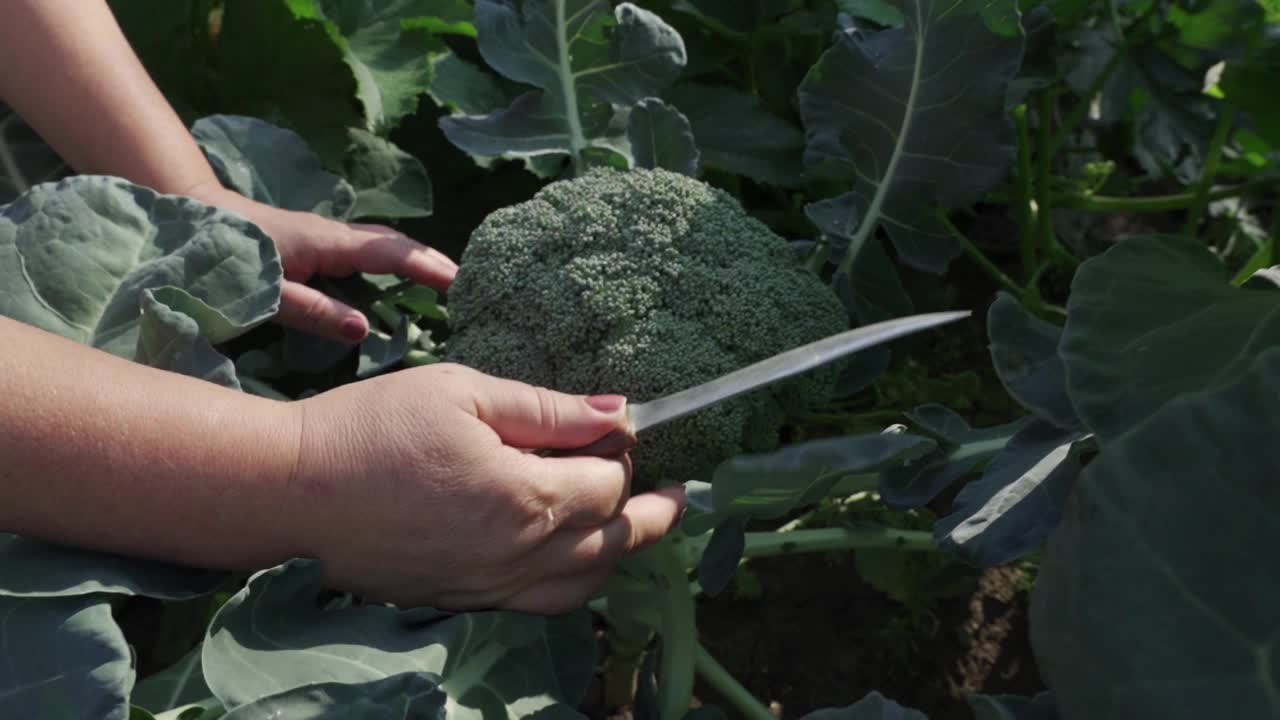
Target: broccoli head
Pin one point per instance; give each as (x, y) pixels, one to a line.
(643, 283)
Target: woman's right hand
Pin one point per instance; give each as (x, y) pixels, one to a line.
(417, 488)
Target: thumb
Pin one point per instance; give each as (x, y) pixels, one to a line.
(533, 417)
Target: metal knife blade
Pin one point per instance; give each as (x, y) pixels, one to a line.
(642, 416)
(783, 365)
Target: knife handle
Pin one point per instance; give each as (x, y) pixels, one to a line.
(612, 445)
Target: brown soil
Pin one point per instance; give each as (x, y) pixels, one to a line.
(817, 638)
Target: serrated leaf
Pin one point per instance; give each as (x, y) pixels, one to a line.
(272, 637)
(916, 116)
(75, 257)
(736, 135)
(1012, 508)
(1024, 350)
(63, 658)
(961, 450)
(408, 696)
(660, 137)
(272, 165)
(585, 58)
(445, 17)
(1151, 600)
(258, 54)
(388, 182)
(1154, 318)
(386, 44)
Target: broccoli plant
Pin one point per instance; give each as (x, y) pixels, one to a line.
(643, 283)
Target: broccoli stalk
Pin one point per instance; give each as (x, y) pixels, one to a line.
(643, 283)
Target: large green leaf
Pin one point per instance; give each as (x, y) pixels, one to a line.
(1024, 351)
(180, 685)
(75, 257)
(177, 334)
(1012, 508)
(1155, 597)
(960, 450)
(769, 485)
(1248, 86)
(736, 135)
(389, 182)
(286, 70)
(660, 137)
(409, 696)
(63, 658)
(257, 58)
(271, 165)
(915, 115)
(29, 568)
(584, 56)
(1151, 319)
(272, 637)
(386, 51)
(872, 707)
(467, 88)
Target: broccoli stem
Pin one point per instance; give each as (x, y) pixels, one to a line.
(772, 544)
(679, 630)
(728, 686)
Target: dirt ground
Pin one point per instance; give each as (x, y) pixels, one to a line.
(808, 643)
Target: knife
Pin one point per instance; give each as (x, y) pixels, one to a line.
(644, 415)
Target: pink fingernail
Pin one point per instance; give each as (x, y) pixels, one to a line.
(354, 329)
(607, 404)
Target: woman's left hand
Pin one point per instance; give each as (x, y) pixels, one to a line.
(313, 245)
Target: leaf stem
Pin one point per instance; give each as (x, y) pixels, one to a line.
(1044, 196)
(773, 544)
(979, 257)
(729, 688)
(1213, 157)
(577, 138)
(1024, 197)
(679, 631)
(1158, 203)
(1081, 109)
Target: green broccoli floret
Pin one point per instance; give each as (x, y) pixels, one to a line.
(643, 283)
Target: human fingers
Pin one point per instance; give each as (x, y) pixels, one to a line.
(379, 249)
(577, 492)
(644, 520)
(532, 417)
(305, 308)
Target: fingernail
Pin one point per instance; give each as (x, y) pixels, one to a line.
(607, 404)
(354, 328)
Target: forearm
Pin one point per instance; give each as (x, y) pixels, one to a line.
(100, 452)
(70, 73)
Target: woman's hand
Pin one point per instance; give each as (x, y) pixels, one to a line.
(413, 488)
(312, 245)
